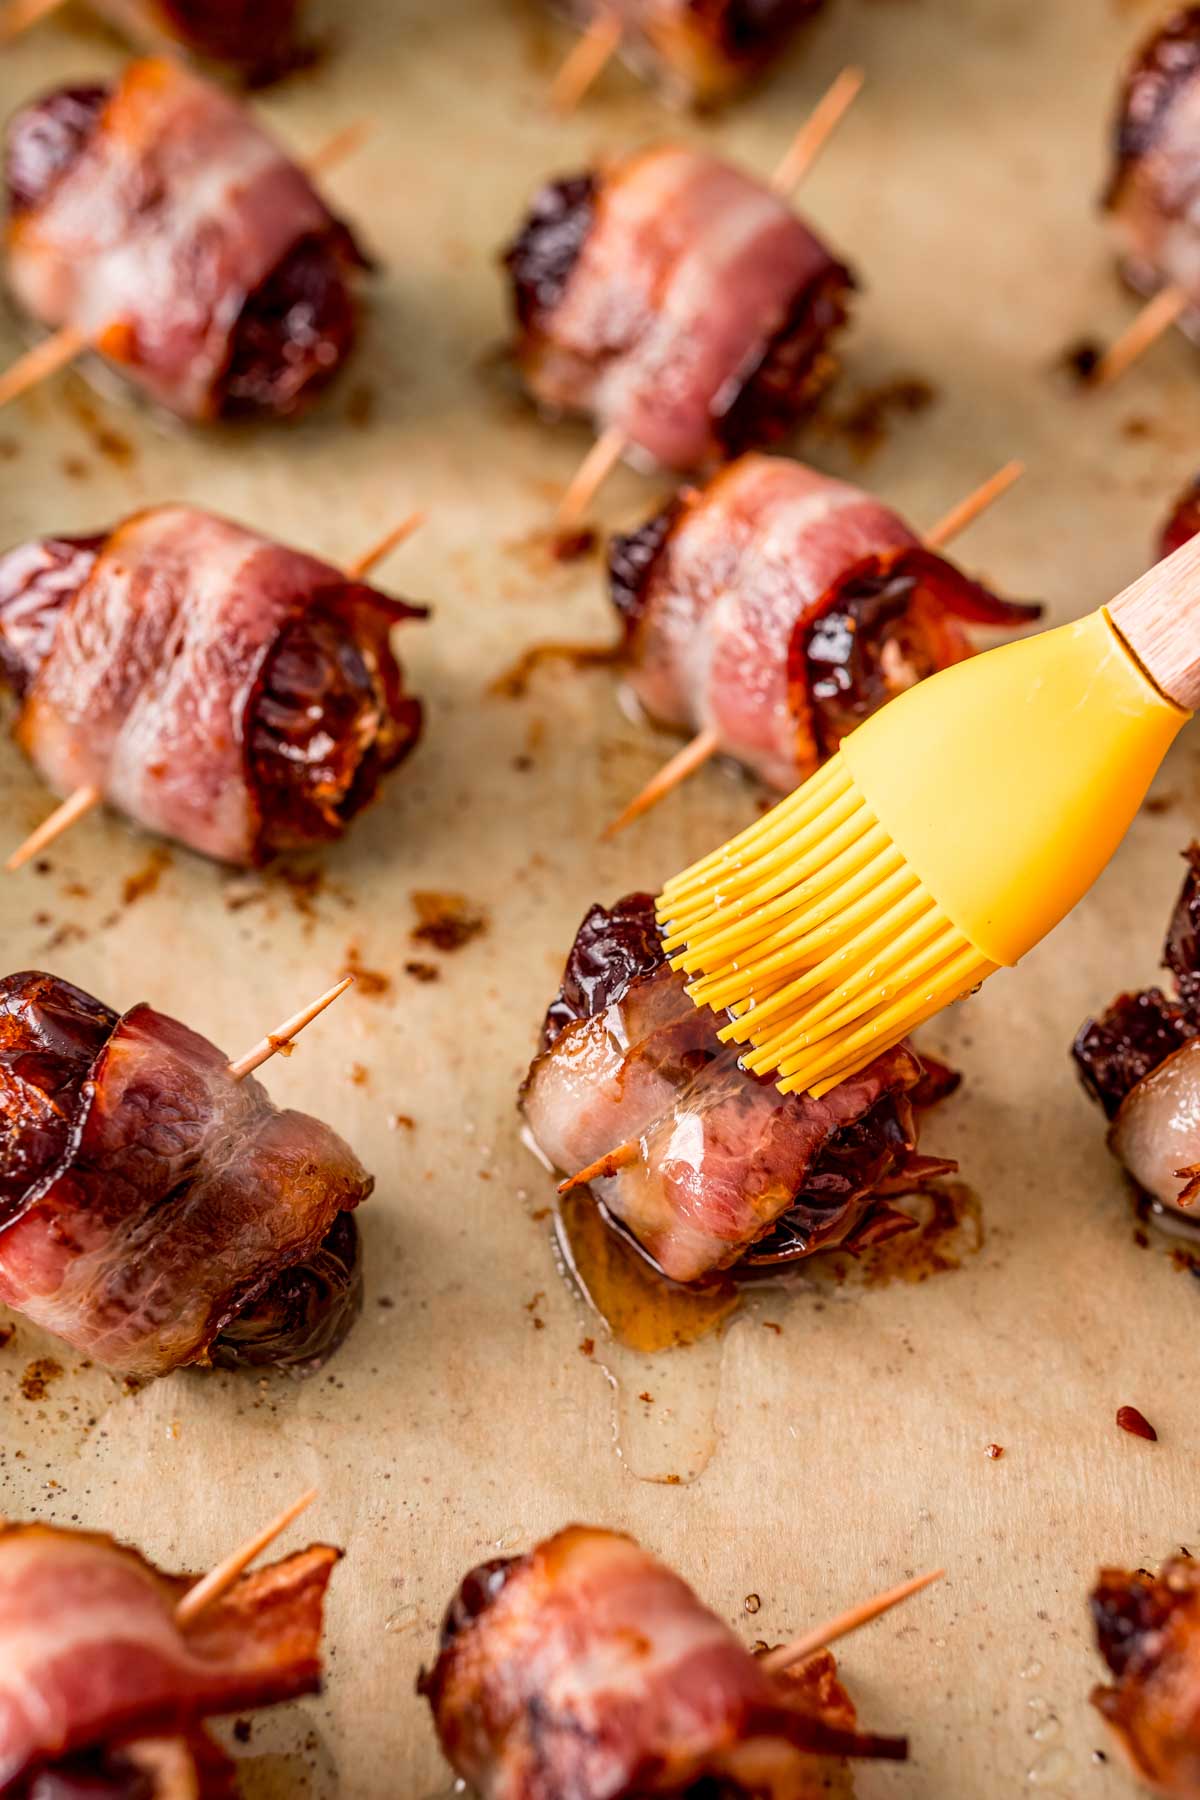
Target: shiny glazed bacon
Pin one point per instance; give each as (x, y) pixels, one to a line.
(727, 1170)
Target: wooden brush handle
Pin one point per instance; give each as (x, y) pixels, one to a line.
(1159, 618)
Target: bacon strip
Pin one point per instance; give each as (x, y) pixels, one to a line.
(588, 1668)
(90, 1653)
(1153, 197)
(177, 679)
(778, 607)
(177, 209)
(160, 1198)
(688, 271)
(721, 1158)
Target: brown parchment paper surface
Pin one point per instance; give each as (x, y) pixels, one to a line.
(847, 1449)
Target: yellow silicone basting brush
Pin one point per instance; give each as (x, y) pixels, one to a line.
(950, 833)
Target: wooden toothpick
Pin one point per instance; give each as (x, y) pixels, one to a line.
(673, 774)
(973, 505)
(597, 45)
(40, 363)
(64, 346)
(81, 802)
(340, 147)
(799, 158)
(604, 1166)
(61, 819)
(218, 1581)
(816, 131)
(1154, 320)
(379, 552)
(811, 1641)
(706, 744)
(277, 1040)
(591, 475)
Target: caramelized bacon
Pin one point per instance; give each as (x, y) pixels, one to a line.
(677, 300)
(92, 1659)
(220, 688)
(1152, 194)
(779, 608)
(163, 224)
(587, 1668)
(153, 1211)
(1148, 1631)
(726, 1169)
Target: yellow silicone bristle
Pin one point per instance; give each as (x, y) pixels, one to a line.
(815, 938)
(919, 860)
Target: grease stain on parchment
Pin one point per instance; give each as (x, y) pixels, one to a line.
(662, 1345)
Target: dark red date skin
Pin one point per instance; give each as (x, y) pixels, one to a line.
(294, 332)
(1125, 1043)
(753, 32)
(1184, 521)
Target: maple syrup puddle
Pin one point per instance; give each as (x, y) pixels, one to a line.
(663, 1345)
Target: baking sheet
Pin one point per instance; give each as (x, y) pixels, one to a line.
(836, 1433)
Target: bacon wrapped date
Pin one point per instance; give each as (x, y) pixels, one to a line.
(153, 1211)
(1148, 1631)
(588, 1669)
(1153, 196)
(160, 221)
(219, 688)
(93, 1662)
(678, 300)
(701, 52)
(1140, 1059)
(779, 608)
(727, 1171)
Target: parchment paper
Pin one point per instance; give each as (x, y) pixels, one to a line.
(846, 1449)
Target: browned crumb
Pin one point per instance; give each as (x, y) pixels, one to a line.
(370, 983)
(865, 423)
(1136, 1423)
(423, 971)
(143, 881)
(39, 1377)
(446, 921)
